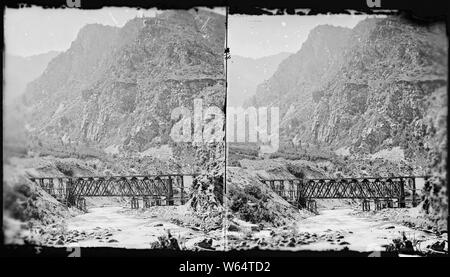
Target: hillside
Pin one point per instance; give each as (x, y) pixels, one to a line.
(19, 71)
(377, 90)
(115, 87)
(244, 74)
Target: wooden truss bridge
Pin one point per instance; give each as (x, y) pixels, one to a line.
(166, 189)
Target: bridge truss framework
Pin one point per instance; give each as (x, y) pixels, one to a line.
(301, 192)
(152, 189)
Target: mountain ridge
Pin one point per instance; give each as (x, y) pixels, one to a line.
(19, 71)
(343, 90)
(117, 86)
(246, 72)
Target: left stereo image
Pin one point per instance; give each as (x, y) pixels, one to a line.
(113, 127)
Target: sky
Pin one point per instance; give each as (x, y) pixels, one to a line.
(259, 36)
(31, 31)
(34, 30)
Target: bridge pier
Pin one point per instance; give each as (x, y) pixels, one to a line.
(413, 191)
(182, 190)
(311, 205)
(366, 205)
(134, 203)
(390, 203)
(402, 199)
(81, 204)
(280, 189)
(378, 204)
(272, 185)
(156, 200)
(146, 202)
(291, 191)
(51, 187)
(169, 197)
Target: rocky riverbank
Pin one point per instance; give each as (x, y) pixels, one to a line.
(339, 229)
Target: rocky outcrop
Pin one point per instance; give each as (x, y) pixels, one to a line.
(118, 86)
(25, 205)
(367, 89)
(251, 200)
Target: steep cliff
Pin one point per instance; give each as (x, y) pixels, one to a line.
(115, 88)
(377, 90)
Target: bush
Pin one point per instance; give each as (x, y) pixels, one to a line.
(166, 241)
(435, 198)
(251, 205)
(255, 192)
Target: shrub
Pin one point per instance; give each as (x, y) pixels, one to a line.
(251, 205)
(255, 192)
